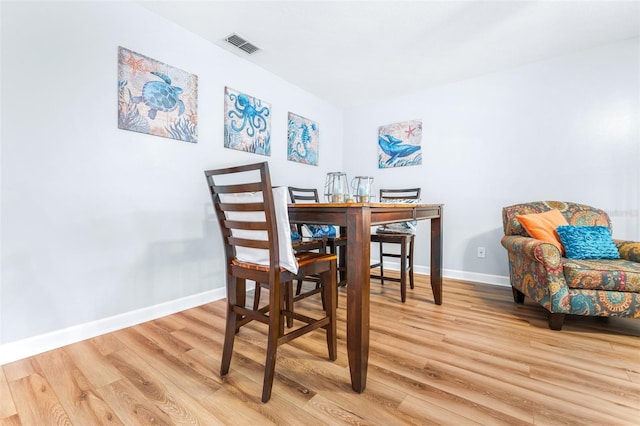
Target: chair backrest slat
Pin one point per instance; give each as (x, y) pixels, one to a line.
(237, 188)
(243, 242)
(242, 207)
(400, 194)
(254, 226)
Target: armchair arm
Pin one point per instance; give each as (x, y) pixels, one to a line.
(629, 250)
(534, 250)
(535, 269)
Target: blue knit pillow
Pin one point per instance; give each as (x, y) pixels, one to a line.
(588, 242)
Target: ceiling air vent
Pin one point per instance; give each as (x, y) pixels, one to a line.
(241, 43)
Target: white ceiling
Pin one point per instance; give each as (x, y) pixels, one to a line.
(356, 52)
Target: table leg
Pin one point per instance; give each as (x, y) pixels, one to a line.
(436, 259)
(358, 254)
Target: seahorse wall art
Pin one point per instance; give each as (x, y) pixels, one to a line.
(156, 98)
(302, 140)
(247, 123)
(399, 144)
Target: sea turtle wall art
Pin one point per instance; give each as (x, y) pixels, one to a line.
(302, 140)
(247, 123)
(156, 98)
(399, 144)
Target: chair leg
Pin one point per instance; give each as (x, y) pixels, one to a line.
(518, 296)
(275, 331)
(229, 337)
(288, 301)
(411, 283)
(403, 271)
(231, 324)
(381, 264)
(342, 263)
(331, 300)
(256, 297)
(323, 299)
(555, 321)
(341, 252)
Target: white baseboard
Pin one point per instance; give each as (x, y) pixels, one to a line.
(477, 277)
(457, 275)
(25, 348)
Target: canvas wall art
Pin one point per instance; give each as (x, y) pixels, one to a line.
(247, 123)
(399, 144)
(302, 140)
(156, 98)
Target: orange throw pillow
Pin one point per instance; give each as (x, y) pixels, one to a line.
(542, 226)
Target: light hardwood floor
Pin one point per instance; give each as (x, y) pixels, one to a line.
(477, 359)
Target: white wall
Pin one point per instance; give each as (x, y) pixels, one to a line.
(562, 129)
(100, 223)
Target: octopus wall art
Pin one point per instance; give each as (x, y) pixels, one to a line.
(247, 123)
(302, 140)
(399, 144)
(156, 98)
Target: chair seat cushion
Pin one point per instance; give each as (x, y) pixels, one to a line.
(303, 259)
(603, 274)
(391, 238)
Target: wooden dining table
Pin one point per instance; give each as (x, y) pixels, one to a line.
(356, 219)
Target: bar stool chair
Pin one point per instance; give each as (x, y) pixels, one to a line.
(337, 245)
(255, 230)
(401, 236)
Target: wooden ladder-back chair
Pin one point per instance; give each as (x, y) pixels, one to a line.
(396, 236)
(337, 245)
(257, 244)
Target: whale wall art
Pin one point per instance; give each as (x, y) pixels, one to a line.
(156, 98)
(302, 140)
(247, 123)
(399, 144)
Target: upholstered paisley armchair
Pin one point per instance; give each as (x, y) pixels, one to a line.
(593, 287)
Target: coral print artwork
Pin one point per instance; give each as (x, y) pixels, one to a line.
(156, 98)
(247, 123)
(302, 140)
(399, 144)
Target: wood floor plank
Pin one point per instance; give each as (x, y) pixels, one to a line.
(479, 358)
(93, 364)
(163, 338)
(617, 391)
(36, 402)
(333, 413)
(107, 343)
(171, 366)
(7, 407)
(509, 397)
(11, 421)
(160, 390)
(438, 415)
(131, 406)
(73, 390)
(21, 368)
(236, 410)
(450, 393)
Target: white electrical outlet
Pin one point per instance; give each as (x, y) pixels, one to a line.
(481, 252)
